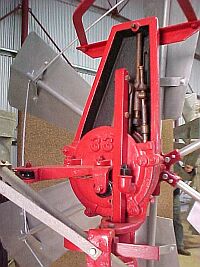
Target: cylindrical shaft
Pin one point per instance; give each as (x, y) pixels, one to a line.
(188, 190)
(25, 12)
(136, 100)
(152, 223)
(190, 148)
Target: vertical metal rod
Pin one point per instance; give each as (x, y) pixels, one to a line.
(24, 33)
(152, 223)
(163, 51)
(136, 100)
(25, 11)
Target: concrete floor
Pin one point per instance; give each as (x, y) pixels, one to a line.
(190, 261)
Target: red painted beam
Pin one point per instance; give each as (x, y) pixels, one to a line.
(188, 10)
(25, 12)
(178, 33)
(77, 19)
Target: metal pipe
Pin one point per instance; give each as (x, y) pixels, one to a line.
(190, 148)
(136, 101)
(188, 190)
(40, 227)
(25, 12)
(152, 223)
(76, 39)
(24, 34)
(163, 53)
(66, 102)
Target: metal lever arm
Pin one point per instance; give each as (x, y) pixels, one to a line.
(29, 200)
(25, 197)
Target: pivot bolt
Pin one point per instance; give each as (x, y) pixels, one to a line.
(170, 181)
(172, 248)
(93, 251)
(126, 115)
(165, 176)
(167, 159)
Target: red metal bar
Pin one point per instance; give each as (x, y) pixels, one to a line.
(137, 251)
(25, 12)
(179, 32)
(10, 13)
(77, 19)
(188, 10)
(55, 172)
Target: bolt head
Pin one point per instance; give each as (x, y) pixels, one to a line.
(165, 176)
(126, 115)
(167, 159)
(93, 251)
(170, 181)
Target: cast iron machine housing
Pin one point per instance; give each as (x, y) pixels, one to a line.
(115, 163)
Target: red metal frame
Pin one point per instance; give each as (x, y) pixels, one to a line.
(102, 151)
(188, 10)
(168, 35)
(25, 13)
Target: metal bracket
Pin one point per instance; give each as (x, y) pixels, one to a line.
(172, 81)
(5, 164)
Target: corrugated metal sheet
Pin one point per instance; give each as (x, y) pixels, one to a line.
(10, 26)
(5, 63)
(195, 77)
(56, 17)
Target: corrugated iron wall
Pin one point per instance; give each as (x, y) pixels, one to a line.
(9, 39)
(56, 17)
(195, 77)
